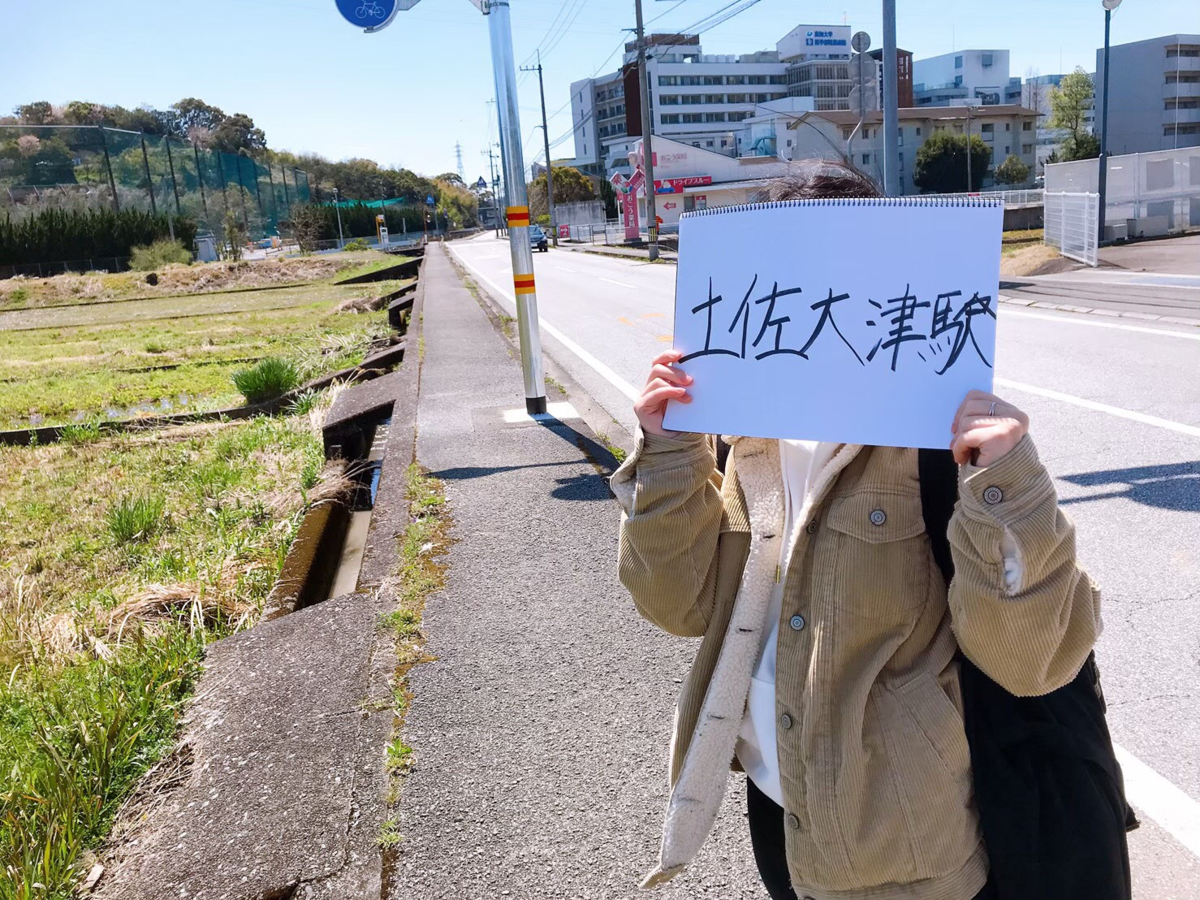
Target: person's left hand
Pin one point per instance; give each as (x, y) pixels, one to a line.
(985, 428)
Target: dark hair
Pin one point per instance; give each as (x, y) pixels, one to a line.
(820, 179)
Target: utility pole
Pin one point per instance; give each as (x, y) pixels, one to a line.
(337, 205)
(546, 138)
(1102, 183)
(495, 189)
(891, 100)
(647, 152)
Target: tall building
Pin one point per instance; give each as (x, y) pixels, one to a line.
(701, 99)
(965, 77)
(1153, 94)
(904, 76)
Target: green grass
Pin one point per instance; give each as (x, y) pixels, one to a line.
(389, 834)
(132, 366)
(134, 519)
(107, 599)
(267, 379)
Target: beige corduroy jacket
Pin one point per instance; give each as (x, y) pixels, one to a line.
(873, 758)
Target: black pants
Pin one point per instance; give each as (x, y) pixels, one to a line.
(770, 850)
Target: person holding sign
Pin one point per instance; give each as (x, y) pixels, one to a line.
(832, 636)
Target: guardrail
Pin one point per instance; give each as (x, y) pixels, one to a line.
(1030, 197)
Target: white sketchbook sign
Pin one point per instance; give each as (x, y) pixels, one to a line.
(855, 321)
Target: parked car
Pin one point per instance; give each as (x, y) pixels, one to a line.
(538, 239)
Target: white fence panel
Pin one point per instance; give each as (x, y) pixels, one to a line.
(1070, 224)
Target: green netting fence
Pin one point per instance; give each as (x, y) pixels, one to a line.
(83, 167)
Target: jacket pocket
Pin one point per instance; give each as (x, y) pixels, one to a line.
(876, 555)
(930, 760)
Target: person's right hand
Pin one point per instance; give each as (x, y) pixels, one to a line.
(664, 383)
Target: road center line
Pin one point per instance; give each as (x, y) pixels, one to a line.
(1175, 811)
(624, 284)
(1077, 319)
(1179, 427)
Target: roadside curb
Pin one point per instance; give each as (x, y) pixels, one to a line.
(1091, 311)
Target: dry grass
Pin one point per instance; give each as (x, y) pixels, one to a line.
(61, 290)
(1026, 260)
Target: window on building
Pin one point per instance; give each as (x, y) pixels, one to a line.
(738, 116)
(735, 79)
(1026, 149)
(866, 159)
(1183, 77)
(846, 132)
(708, 143)
(714, 117)
(714, 98)
(778, 79)
(958, 62)
(735, 98)
(957, 83)
(670, 118)
(692, 118)
(668, 80)
(987, 128)
(1027, 126)
(1183, 50)
(757, 79)
(668, 99)
(1006, 127)
(1181, 103)
(689, 80)
(1173, 130)
(986, 59)
(1007, 150)
(714, 79)
(692, 99)
(918, 129)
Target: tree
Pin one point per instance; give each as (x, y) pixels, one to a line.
(450, 178)
(38, 113)
(1012, 171)
(191, 113)
(942, 163)
(608, 194)
(570, 186)
(237, 132)
(1031, 91)
(1069, 103)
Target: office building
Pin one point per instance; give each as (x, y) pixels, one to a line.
(701, 99)
(963, 78)
(1153, 94)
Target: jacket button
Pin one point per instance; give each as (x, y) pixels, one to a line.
(993, 495)
(785, 721)
(878, 517)
(797, 622)
(793, 821)
(811, 527)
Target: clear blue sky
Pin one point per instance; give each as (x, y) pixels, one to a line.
(405, 95)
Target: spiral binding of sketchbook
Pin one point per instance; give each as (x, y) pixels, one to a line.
(975, 202)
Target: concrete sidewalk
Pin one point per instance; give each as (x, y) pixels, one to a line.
(541, 727)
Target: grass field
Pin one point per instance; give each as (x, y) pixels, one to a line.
(123, 554)
(121, 558)
(115, 359)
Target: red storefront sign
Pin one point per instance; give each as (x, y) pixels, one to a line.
(676, 185)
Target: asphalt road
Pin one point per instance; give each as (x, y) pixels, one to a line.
(1115, 410)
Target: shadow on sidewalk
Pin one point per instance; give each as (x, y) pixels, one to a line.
(572, 487)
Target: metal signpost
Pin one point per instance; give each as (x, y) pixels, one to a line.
(1109, 6)
(517, 213)
(863, 78)
(891, 102)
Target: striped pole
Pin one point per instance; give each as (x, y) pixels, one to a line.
(500, 32)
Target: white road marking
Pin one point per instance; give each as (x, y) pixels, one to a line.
(624, 284)
(604, 371)
(1175, 811)
(1179, 427)
(1076, 319)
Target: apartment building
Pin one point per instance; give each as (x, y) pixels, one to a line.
(1006, 129)
(1153, 94)
(965, 77)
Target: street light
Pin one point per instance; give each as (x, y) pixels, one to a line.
(1109, 6)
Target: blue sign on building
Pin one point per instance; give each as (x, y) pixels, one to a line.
(369, 14)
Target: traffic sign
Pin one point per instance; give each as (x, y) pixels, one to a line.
(863, 70)
(863, 98)
(861, 42)
(481, 185)
(370, 15)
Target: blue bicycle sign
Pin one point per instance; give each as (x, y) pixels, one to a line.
(370, 15)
